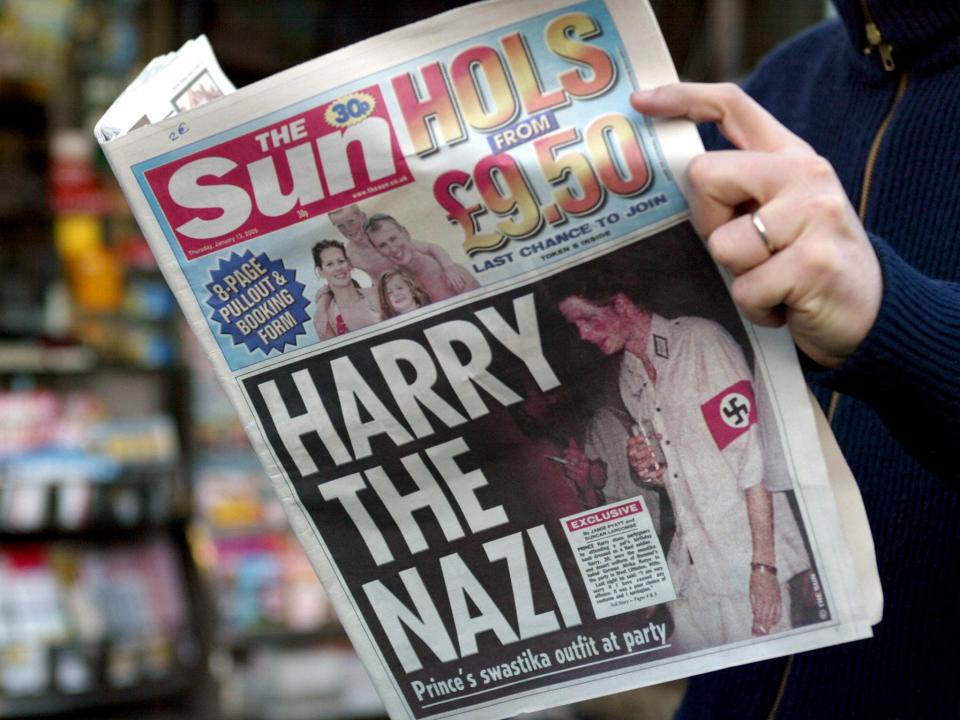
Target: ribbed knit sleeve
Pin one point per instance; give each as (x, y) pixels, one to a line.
(908, 368)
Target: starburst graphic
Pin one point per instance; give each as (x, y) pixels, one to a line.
(258, 302)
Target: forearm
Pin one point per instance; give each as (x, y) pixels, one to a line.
(322, 328)
(765, 598)
(760, 516)
(321, 317)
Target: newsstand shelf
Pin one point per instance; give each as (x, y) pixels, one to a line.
(62, 704)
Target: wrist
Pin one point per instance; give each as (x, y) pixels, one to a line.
(597, 473)
(763, 568)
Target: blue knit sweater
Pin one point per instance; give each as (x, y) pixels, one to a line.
(898, 420)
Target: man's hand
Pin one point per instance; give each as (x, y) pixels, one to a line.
(577, 469)
(586, 476)
(820, 274)
(456, 277)
(764, 601)
(643, 461)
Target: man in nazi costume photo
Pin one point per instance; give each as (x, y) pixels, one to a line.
(736, 544)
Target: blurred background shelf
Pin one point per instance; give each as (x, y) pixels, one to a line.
(59, 704)
(32, 358)
(86, 623)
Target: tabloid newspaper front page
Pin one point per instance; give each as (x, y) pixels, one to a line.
(447, 278)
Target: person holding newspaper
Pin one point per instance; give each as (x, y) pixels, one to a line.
(862, 109)
(341, 305)
(350, 221)
(736, 544)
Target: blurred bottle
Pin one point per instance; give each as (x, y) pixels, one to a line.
(95, 275)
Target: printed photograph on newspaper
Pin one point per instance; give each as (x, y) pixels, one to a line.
(562, 481)
(534, 453)
(480, 162)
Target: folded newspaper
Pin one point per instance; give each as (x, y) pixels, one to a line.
(447, 278)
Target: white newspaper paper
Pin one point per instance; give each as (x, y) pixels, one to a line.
(169, 85)
(447, 278)
(620, 558)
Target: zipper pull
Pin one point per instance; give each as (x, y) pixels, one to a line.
(876, 41)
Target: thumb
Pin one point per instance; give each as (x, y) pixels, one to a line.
(572, 445)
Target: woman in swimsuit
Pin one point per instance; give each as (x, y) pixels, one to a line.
(341, 305)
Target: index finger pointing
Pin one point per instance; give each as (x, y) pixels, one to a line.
(740, 118)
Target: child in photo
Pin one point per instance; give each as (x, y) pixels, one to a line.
(400, 293)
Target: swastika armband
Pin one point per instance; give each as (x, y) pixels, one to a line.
(730, 413)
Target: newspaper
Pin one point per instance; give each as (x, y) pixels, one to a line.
(447, 278)
(189, 78)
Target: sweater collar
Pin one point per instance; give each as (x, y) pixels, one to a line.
(920, 34)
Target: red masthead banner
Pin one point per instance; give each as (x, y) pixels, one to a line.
(307, 164)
